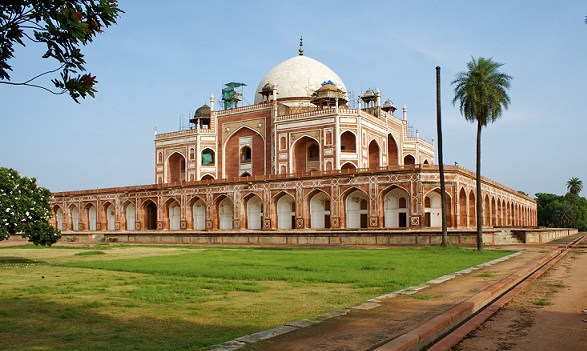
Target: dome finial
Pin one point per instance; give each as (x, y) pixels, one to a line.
(301, 47)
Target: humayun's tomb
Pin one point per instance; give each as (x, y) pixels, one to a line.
(299, 166)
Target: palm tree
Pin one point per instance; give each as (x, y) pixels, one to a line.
(482, 95)
(574, 186)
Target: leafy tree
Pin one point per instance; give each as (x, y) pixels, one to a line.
(25, 209)
(578, 206)
(63, 26)
(482, 95)
(574, 185)
(569, 211)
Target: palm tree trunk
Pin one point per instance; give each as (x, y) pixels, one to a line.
(479, 199)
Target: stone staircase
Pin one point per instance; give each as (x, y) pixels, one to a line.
(505, 237)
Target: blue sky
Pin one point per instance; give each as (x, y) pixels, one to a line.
(163, 60)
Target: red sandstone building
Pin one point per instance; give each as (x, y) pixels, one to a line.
(298, 159)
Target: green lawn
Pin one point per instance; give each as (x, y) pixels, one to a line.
(185, 298)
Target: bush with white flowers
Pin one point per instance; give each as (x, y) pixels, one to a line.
(25, 209)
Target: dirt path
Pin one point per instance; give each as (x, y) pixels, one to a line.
(547, 316)
(365, 329)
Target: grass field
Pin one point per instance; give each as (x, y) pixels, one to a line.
(186, 298)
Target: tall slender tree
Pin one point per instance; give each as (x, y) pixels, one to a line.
(482, 95)
(574, 185)
(440, 160)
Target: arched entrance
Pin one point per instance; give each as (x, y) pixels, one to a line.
(130, 216)
(110, 217)
(286, 212)
(59, 218)
(395, 204)
(462, 208)
(74, 215)
(348, 168)
(433, 210)
(225, 214)
(348, 142)
(306, 155)
(92, 217)
(174, 216)
(320, 211)
(254, 212)
(199, 215)
(392, 154)
(357, 210)
(176, 168)
(409, 160)
(150, 215)
(374, 155)
(472, 209)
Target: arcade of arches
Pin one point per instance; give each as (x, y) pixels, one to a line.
(397, 200)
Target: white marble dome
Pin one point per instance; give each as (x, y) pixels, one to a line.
(298, 77)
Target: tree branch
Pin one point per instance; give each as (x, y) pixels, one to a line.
(35, 86)
(27, 83)
(42, 74)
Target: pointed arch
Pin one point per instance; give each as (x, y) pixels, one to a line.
(348, 167)
(374, 155)
(176, 166)
(130, 216)
(493, 220)
(225, 213)
(306, 155)
(319, 209)
(348, 142)
(207, 177)
(409, 160)
(109, 216)
(245, 155)
(172, 214)
(254, 211)
(244, 151)
(486, 211)
(208, 157)
(197, 207)
(356, 209)
(472, 209)
(463, 215)
(396, 208)
(285, 205)
(392, 151)
(91, 217)
(74, 216)
(433, 209)
(149, 218)
(59, 217)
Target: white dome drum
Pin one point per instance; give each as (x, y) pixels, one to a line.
(298, 77)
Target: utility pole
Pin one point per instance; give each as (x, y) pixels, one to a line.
(440, 159)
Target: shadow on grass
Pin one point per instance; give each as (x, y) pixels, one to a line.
(27, 324)
(17, 260)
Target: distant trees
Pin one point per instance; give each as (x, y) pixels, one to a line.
(568, 211)
(25, 209)
(482, 95)
(63, 26)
